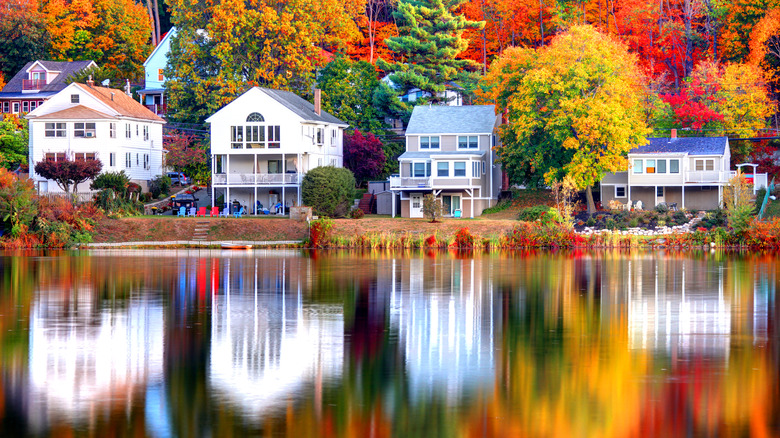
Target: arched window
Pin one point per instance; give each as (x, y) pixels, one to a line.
(255, 117)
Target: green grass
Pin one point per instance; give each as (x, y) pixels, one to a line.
(772, 209)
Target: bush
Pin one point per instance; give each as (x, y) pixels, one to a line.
(610, 224)
(464, 239)
(432, 208)
(329, 191)
(661, 208)
(160, 186)
(18, 205)
(319, 233)
(116, 181)
(591, 221)
(357, 214)
(633, 223)
(530, 214)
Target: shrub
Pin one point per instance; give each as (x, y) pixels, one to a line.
(590, 222)
(357, 214)
(633, 223)
(432, 208)
(464, 239)
(610, 224)
(328, 190)
(116, 181)
(738, 203)
(320, 232)
(160, 186)
(67, 173)
(661, 223)
(18, 205)
(530, 214)
(662, 208)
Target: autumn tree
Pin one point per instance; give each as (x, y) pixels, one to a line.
(186, 155)
(430, 39)
(363, 155)
(67, 173)
(23, 35)
(574, 109)
(18, 205)
(13, 141)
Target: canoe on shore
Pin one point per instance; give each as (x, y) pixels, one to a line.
(235, 246)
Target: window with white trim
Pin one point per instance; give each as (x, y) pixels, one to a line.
(112, 130)
(25, 106)
(55, 156)
(128, 159)
(55, 129)
(85, 130)
(319, 136)
(468, 142)
(236, 137)
(127, 130)
(649, 166)
(274, 137)
(659, 192)
(84, 156)
(420, 169)
(443, 168)
(112, 159)
(146, 161)
(74, 98)
(16, 107)
(637, 166)
(475, 169)
(429, 142)
(620, 191)
(459, 168)
(661, 167)
(146, 133)
(136, 129)
(674, 166)
(483, 167)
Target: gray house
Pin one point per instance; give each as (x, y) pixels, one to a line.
(449, 152)
(687, 171)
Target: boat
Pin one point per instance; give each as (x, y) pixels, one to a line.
(235, 246)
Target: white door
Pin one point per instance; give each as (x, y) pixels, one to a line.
(415, 205)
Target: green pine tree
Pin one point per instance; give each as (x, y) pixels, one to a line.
(430, 37)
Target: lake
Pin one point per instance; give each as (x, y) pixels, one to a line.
(200, 343)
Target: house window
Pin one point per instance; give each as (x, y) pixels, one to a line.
(86, 130)
(443, 168)
(219, 163)
(659, 192)
(475, 169)
(620, 191)
(674, 166)
(637, 166)
(5, 107)
(649, 166)
(460, 168)
(55, 129)
(112, 130)
(661, 166)
(59, 156)
(160, 75)
(236, 137)
(137, 160)
(319, 137)
(699, 165)
(274, 166)
(84, 156)
(33, 104)
(146, 161)
(255, 137)
(25, 106)
(74, 98)
(112, 159)
(274, 139)
(146, 132)
(468, 142)
(255, 117)
(421, 170)
(429, 142)
(136, 129)
(705, 165)
(483, 167)
(128, 159)
(16, 107)
(291, 165)
(127, 130)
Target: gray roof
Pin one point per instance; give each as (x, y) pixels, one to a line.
(441, 119)
(681, 145)
(66, 69)
(428, 154)
(302, 107)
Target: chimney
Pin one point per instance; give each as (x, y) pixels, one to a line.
(318, 101)
(112, 96)
(90, 82)
(674, 133)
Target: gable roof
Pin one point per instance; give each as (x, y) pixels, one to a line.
(301, 107)
(683, 145)
(163, 42)
(120, 102)
(78, 112)
(442, 119)
(66, 69)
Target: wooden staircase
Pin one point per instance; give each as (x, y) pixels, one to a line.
(366, 202)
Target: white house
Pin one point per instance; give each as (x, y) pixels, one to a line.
(85, 122)
(152, 95)
(449, 152)
(263, 143)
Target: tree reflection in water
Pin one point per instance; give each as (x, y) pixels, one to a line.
(289, 343)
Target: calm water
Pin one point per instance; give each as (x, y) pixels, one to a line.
(298, 344)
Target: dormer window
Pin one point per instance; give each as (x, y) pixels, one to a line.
(429, 142)
(74, 98)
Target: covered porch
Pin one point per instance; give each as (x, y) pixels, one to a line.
(256, 200)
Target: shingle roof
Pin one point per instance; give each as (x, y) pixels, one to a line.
(78, 112)
(302, 107)
(121, 103)
(441, 119)
(689, 145)
(66, 69)
(428, 154)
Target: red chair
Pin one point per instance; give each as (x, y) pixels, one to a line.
(201, 212)
(214, 211)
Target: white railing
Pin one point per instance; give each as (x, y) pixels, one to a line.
(709, 176)
(255, 179)
(397, 182)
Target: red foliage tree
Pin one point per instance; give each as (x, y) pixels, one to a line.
(184, 154)
(67, 173)
(363, 155)
(692, 106)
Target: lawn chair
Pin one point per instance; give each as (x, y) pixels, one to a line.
(214, 211)
(193, 211)
(201, 212)
(239, 213)
(456, 214)
(182, 212)
(225, 212)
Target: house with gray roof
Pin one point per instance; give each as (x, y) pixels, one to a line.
(449, 153)
(683, 172)
(263, 142)
(36, 82)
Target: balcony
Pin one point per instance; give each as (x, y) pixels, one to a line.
(709, 176)
(397, 182)
(33, 84)
(158, 109)
(256, 179)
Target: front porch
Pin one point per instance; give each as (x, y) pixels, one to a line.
(455, 203)
(256, 200)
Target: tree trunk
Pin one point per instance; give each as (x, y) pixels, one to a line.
(157, 21)
(151, 21)
(589, 197)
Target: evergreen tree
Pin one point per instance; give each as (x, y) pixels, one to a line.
(430, 37)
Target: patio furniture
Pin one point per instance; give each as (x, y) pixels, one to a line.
(214, 211)
(456, 213)
(638, 205)
(193, 211)
(673, 206)
(239, 213)
(201, 212)
(225, 212)
(182, 212)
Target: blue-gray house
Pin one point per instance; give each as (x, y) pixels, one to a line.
(152, 95)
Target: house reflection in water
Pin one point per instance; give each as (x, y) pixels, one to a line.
(446, 319)
(267, 345)
(85, 357)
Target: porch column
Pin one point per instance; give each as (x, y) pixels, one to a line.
(255, 172)
(392, 204)
(655, 196)
(298, 167)
(213, 193)
(629, 193)
(227, 198)
(283, 202)
(682, 189)
(720, 196)
(471, 203)
(255, 199)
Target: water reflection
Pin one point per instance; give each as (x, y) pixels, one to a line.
(285, 343)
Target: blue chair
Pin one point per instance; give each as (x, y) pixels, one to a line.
(239, 213)
(193, 212)
(182, 212)
(225, 212)
(456, 214)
